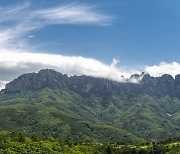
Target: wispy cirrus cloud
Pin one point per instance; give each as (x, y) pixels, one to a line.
(71, 14)
(14, 13)
(18, 20)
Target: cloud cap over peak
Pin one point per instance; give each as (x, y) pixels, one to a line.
(172, 68)
(22, 62)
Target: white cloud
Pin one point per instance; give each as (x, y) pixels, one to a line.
(31, 36)
(163, 68)
(22, 20)
(71, 14)
(2, 84)
(136, 78)
(72, 65)
(114, 62)
(14, 13)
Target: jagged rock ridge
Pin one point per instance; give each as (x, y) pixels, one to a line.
(159, 86)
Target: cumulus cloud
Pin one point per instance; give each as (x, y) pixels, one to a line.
(163, 68)
(72, 65)
(114, 62)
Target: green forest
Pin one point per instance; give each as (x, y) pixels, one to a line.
(61, 121)
(64, 114)
(13, 142)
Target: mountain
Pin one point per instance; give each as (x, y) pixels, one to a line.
(135, 85)
(85, 108)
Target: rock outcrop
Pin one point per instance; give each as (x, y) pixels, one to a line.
(160, 86)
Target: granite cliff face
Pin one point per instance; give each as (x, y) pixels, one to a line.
(36, 81)
(158, 86)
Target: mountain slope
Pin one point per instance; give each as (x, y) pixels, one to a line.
(86, 108)
(57, 113)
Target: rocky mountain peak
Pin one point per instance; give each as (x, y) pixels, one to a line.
(35, 81)
(137, 84)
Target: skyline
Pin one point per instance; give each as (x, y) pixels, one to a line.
(101, 39)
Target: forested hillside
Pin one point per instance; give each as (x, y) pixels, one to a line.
(86, 109)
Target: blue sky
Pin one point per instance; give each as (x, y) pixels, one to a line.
(123, 36)
(141, 33)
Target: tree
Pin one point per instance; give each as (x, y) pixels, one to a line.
(21, 138)
(34, 137)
